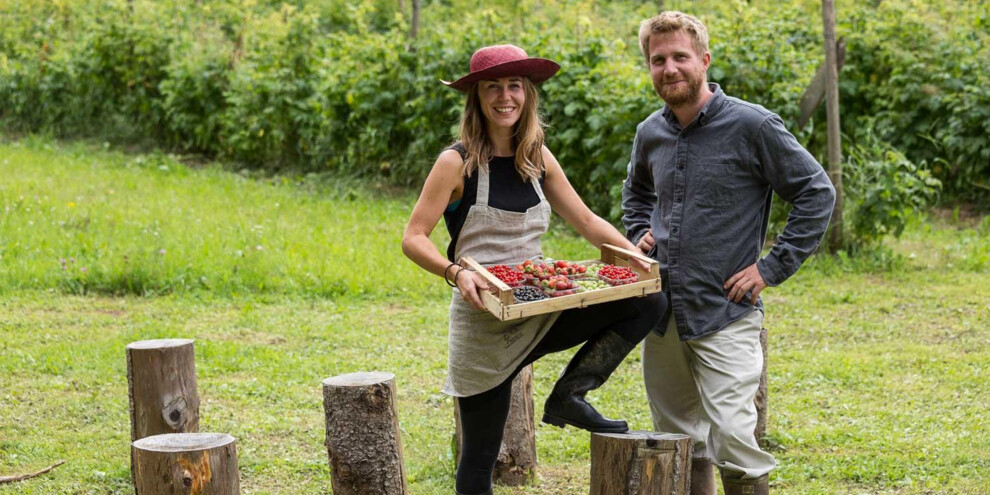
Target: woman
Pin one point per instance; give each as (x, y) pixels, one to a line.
(489, 187)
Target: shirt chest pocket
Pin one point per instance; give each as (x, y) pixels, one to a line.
(720, 185)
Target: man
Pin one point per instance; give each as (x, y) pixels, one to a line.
(697, 199)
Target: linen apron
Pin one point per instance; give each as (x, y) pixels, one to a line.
(483, 351)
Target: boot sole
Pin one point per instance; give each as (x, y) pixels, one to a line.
(562, 422)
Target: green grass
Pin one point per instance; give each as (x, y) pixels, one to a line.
(878, 381)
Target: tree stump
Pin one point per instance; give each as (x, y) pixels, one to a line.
(161, 388)
(161, 381)
(762, 394)
(362, 434)
(640, 463)
(516, 463)
(185, 463)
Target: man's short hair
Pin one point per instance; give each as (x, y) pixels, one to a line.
(669, 22)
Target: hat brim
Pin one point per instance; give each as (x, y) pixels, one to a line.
(536, 69)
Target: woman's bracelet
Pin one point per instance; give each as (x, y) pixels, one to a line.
(458, 274)
(445, 279)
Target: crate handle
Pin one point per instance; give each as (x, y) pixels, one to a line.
(505, 295)
(611, 252)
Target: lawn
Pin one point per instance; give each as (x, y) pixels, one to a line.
(878, 378)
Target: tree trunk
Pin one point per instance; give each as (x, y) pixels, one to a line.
(414, 27)
(640, 463)
(761, 394)
(832, 113)
(362, 434)
(185, 463)
(516, 463)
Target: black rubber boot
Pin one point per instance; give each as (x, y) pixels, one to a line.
(702, 477)
(588, 370)
(734, 484)
(489, 492)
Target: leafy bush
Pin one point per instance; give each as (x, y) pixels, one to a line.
(883, 190)
(338, 87)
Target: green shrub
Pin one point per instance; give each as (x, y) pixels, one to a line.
(883, 190)
(338, 87)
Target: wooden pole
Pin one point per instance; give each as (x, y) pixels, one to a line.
(362, 434)
(832, 113)
(516, 463)
(186, 463)
(815, 92)
(762, 394)
(640, 463)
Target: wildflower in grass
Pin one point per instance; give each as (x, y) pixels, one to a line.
(62, 261)
(258, 247)
(161, 252)
(83, 269)
(71, 204)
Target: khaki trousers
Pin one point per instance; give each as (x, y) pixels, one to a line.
(705, 388)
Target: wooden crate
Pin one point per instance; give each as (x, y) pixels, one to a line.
(503, 304)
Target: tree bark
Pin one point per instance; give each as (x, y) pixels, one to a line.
(161, 386)
(640, 463)
(414, 27)
(762, 394)
(362, 434)
(161, 380)
(186, 463)
(516, 463)
(832, 114)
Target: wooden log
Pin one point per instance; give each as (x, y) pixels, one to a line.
(362, 434)
(516, 463)
(640, 463)
(762, 396)
(186, 463)
(161, 388)
(161, 382)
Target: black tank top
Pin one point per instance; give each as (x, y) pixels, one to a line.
(506, 191)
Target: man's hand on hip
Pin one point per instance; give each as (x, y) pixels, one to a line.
(645, 243)
(744, 281)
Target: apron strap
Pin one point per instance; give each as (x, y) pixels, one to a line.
(483, 182)
(539, 190)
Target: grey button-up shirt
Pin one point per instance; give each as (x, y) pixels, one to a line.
(705, 190)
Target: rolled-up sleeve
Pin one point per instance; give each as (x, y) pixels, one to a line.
(638, 193)
(800, 180)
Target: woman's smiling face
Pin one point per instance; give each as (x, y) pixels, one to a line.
(502, 100)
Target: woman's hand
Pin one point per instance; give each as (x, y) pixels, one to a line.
(471, 285)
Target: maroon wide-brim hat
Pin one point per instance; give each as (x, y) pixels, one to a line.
(493, 62)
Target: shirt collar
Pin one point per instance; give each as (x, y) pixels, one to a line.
(708, 111)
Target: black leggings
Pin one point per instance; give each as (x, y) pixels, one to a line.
(483, 415)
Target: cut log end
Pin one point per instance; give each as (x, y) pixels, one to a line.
(183, 442)
(159, 343)
(361, 379)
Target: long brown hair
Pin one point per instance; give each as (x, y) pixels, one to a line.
(527, 140)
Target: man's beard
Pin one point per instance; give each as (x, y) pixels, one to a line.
(682, 94)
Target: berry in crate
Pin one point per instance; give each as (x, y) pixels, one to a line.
(527, 294)
(617, 275)
(511, 276)
(535, 271)
(561, 267)
(559, 285)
